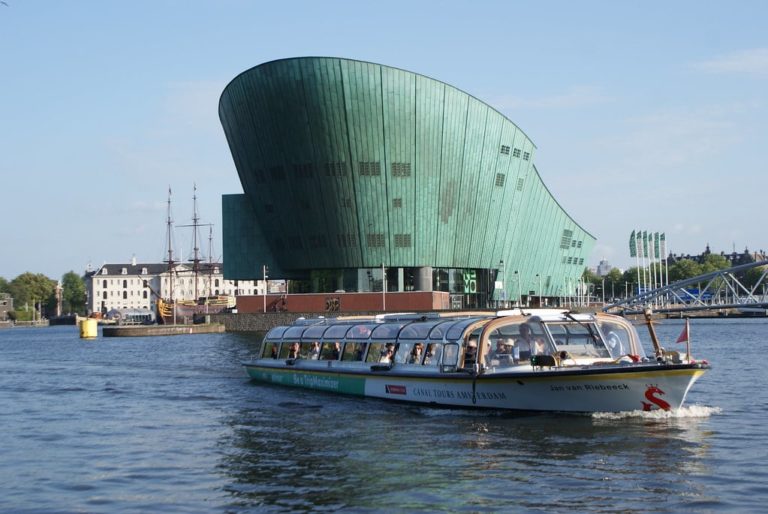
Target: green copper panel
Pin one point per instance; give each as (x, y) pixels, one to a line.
(350, 164)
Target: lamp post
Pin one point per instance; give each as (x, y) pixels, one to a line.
(383, 288)
(539, 291)
(519, 295)
(502, 293)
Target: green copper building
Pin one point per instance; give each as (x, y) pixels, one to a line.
(349, 168)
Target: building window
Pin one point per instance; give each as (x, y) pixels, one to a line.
(104, 284)
(402, 240)
(104, 295)
(370, 169)
(397, 203)
(401, 169)
(124, 271)
(346, 240)
(516, 152)
(526, 156)
(565, 241)
(125, 295)
(374, 240)
(216, 282)
(125, 284)
(520, 183)
(505, 149)
(103, 271)
(336, 169)
(500, 179)
(144, 272)
(145, 295)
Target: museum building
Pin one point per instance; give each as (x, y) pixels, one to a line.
(359, 177)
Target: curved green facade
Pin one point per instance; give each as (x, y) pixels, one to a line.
(349, 165)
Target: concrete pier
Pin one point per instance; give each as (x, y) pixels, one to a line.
(162, 330)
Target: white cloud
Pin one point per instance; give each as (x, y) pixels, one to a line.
(576, 96)
(752, 61)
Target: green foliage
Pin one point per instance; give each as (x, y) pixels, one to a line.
(683, 269)
(4, 285)
(714, 262)
(753, 275)
(590, 277)
(73, 294)
(31, 289)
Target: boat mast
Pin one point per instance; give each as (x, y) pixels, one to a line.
(195, 248)
(169, 236)
(210, 260)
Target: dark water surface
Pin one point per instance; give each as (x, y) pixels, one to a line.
(172, 424)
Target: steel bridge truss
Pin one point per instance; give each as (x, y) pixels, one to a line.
(717, 290)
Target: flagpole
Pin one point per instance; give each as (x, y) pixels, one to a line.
(688, 339)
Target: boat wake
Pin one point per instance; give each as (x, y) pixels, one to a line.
(689, 411)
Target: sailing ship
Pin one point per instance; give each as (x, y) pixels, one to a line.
(172, 310)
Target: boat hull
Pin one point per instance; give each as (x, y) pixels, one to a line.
(648, 386)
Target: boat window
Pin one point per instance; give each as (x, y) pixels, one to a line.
(456, 331)
(387, 331)
(416, 330)
(284, 349)
(433, 354)
(578, 339)
(314, 332)
(382, 352)
(331, 351)
(294, 332)
(618, 338)
(276, 333)
(336, 332)
(353, 351)
(360, 331)
(450, 357)
(310, 350)
(411, 352)
(270, 350)
(439, 330)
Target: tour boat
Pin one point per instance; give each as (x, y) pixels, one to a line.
(542, 360)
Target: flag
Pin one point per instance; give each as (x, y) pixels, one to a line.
(656, 244)
(663, 244)
(645, 244)
(632, 245)
(683, 337)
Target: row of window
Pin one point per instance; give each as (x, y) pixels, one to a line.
(515, 152)
(573, 260)
(415, 352)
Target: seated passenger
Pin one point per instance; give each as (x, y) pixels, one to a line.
(293, 351)
(502, 353)
(387, 353)
(470, 353)
(525, 343)
(415, 357)
(314, 351)
(336, 352)
(433, 355)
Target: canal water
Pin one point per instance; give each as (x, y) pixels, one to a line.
(173, 425)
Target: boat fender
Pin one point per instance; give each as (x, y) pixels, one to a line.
(290, 362)
(381, 367)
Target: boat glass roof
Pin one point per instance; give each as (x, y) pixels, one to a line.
(387, 330)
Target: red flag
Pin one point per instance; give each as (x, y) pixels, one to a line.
(683, 337)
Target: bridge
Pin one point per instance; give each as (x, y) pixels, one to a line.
(712, 291)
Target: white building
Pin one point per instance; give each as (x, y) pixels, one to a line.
(138, 286)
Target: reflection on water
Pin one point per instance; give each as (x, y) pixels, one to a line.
(323, 451)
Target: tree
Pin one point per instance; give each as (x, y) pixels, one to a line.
(73, 293)
(714, 262)
(4, 285)
(31, 288)
(683, 269)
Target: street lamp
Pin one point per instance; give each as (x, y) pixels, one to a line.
(519, 296)
(539, 277)
(502, 293)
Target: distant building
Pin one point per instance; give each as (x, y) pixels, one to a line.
(137, 286)
(6, 306)
(734, 258)
(603, 268)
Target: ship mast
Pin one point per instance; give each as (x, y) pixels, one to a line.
(169, 235)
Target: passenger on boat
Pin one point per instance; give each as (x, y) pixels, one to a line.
(387, 353)
(314, 351)
(528, 344)
(433, 354)
(415, 357)
(336, 352)
(470, 354)
(293, 351)
(502, 352)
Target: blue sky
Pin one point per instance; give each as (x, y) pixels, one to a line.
(646, 115)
